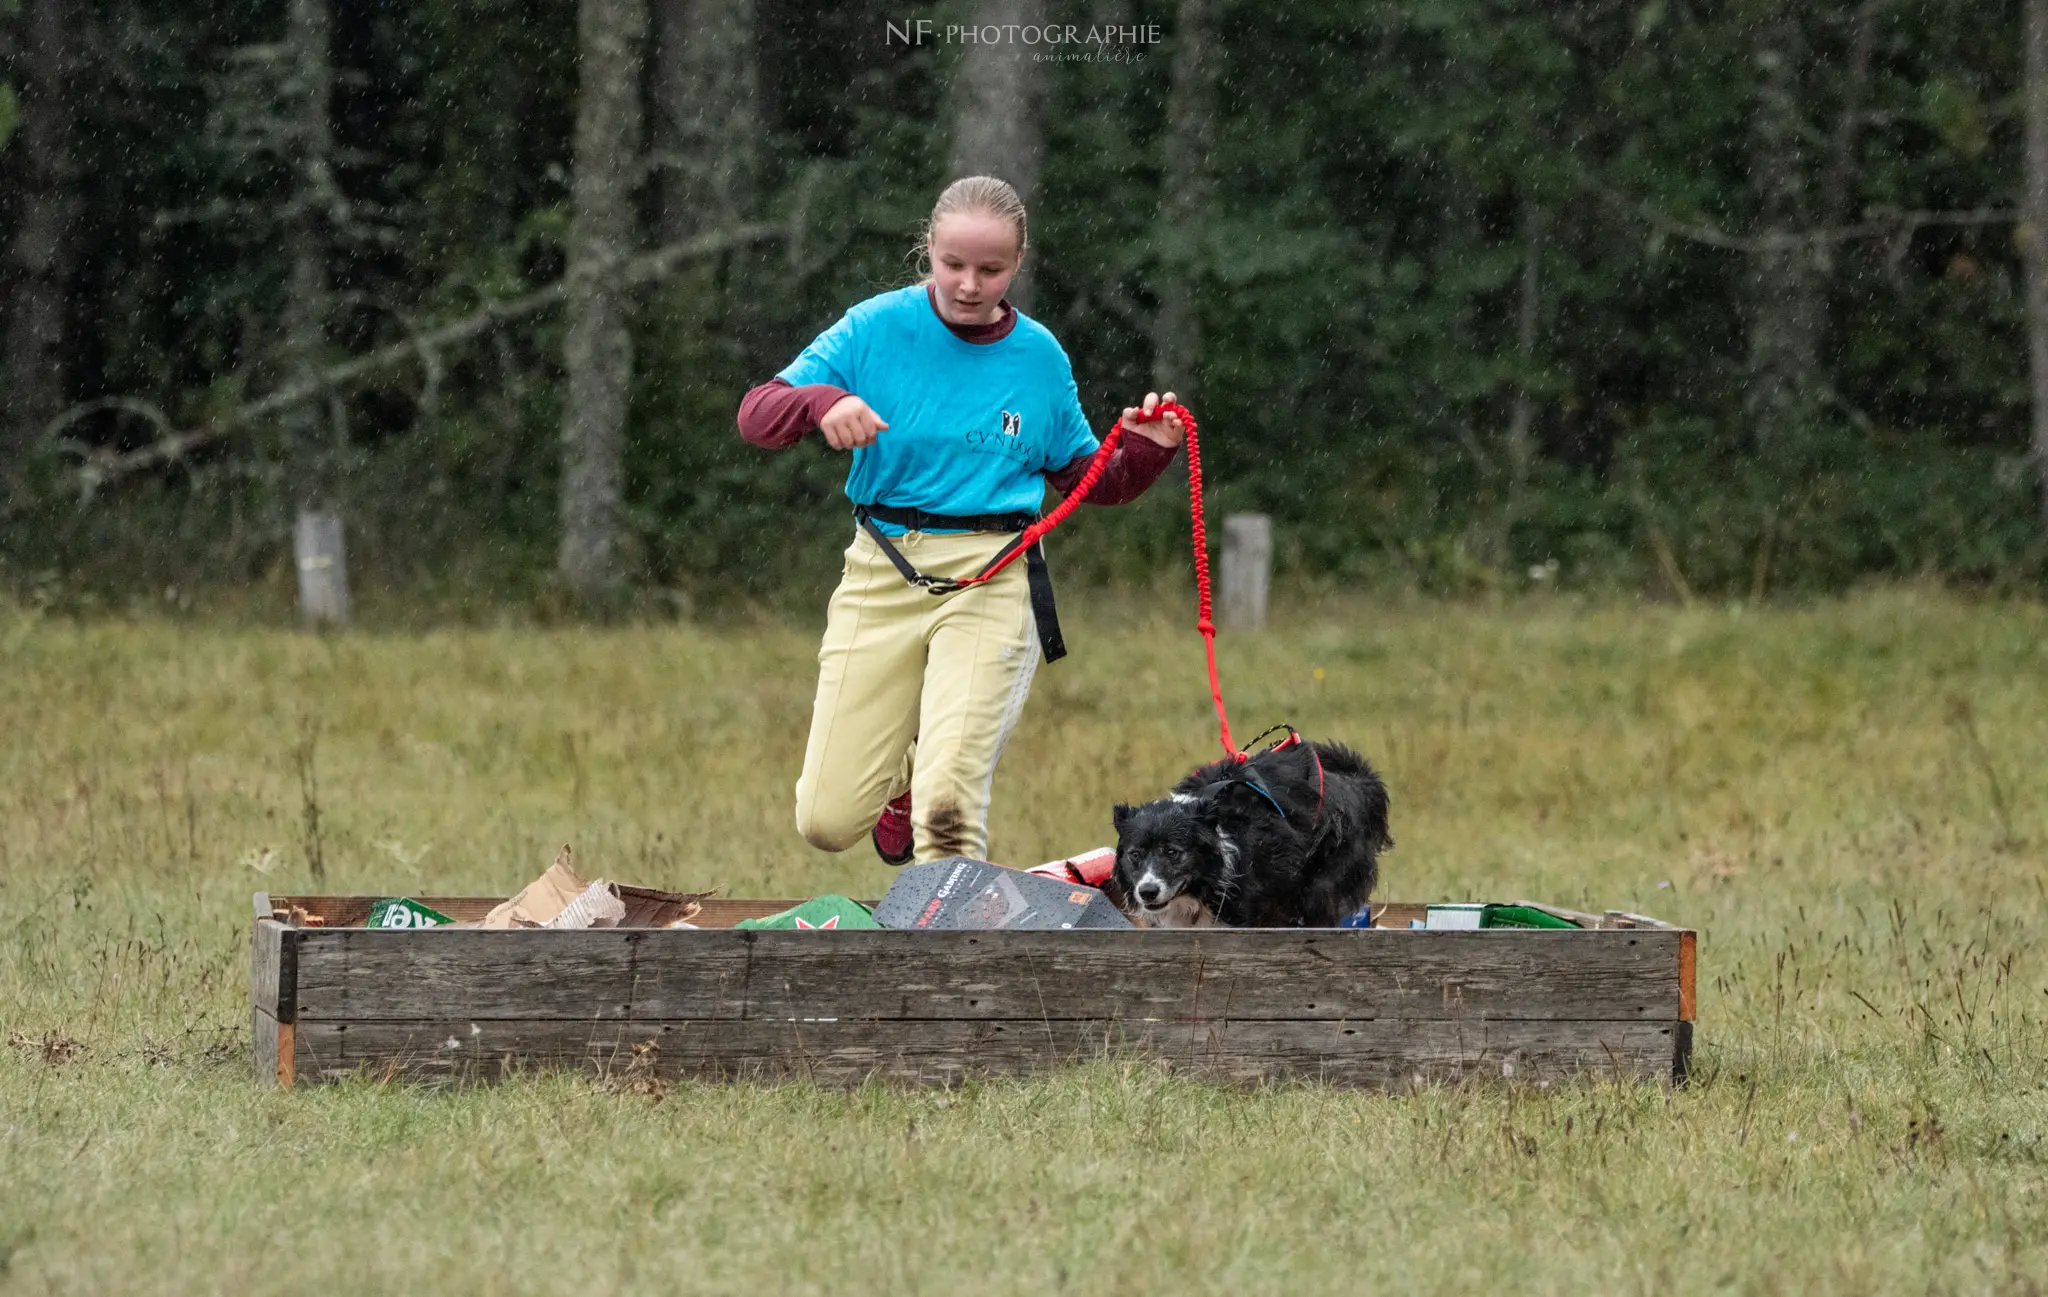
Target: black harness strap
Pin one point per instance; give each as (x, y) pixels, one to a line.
(1038, 575)
(1044, 612)
(919, 520)
(1259, 787)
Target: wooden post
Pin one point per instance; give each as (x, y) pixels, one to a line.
(323, 568)
(1247, 570)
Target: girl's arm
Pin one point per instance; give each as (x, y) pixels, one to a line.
(776, 415)
(1137, 464)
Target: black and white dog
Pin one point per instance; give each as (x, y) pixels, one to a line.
(1289, 838)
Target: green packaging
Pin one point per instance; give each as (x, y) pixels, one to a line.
(820, 913)
(404, 912)
(1521, 916)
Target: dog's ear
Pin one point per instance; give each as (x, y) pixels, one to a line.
(1120, 815)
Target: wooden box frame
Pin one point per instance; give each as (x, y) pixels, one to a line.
(1385, 1006)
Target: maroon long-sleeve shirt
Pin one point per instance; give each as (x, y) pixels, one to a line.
(777, 415)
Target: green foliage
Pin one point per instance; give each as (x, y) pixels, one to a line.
(1377, 175)
(10, 114)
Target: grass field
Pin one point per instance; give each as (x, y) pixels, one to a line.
(1847, 802)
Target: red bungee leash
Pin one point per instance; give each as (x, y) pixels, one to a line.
(1037, 531)
(1204, 622)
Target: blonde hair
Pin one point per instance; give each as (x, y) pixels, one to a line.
(980, 196)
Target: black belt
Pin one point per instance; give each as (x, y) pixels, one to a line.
(1037, 574)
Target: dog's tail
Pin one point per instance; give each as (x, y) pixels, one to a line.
(1368, 792)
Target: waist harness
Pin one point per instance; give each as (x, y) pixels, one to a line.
(1037, 574)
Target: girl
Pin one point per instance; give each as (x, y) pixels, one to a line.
(957, 410)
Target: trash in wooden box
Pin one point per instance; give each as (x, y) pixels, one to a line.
(1381, 1006)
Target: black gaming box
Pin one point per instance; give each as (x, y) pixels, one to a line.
(961, 893)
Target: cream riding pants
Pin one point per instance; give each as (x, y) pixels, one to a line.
(916, 691)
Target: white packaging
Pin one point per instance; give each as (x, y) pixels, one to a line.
(597, 907)
(1453, 918)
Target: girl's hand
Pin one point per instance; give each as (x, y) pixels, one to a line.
(850, 423)
(1165, 431)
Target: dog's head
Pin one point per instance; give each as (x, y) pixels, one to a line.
(1171, 847)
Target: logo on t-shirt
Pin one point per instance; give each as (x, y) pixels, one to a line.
(1008, 442)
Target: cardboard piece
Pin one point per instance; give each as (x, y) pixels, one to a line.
(541, 901)
(961, 893)
(647, 907)
(543, 898)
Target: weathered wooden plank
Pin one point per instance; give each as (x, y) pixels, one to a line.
(266, 937)
(367, 974)
(1210, 974)
(1202, 974)
(273, 968)
(276, 1049)
(1385, 1053)
(263, 1034)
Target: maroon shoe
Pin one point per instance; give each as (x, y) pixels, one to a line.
(894, 841)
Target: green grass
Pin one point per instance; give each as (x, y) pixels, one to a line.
(1846, 801)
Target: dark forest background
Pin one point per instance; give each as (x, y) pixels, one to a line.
(1695, 298)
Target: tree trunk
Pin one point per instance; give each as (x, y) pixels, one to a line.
(707, 114)
(309, 91)
(1838, 185)
(2037, 232)
(42, 255)
(1521, 447)
(1184, 200)
(999, 110)
(1784, 288)
(597, 353)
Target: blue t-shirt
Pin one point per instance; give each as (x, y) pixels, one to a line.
(973, 426)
